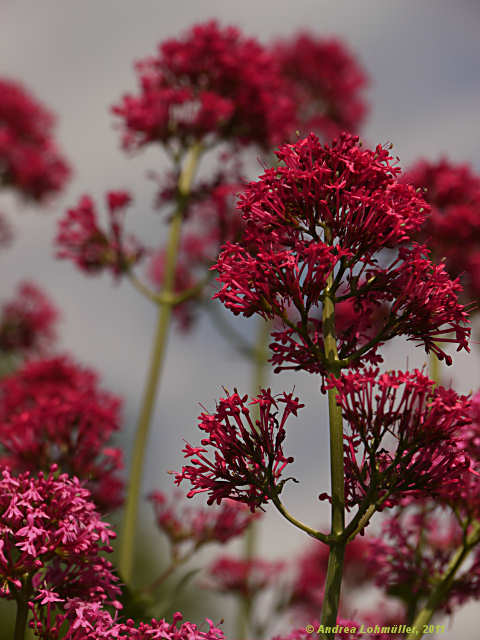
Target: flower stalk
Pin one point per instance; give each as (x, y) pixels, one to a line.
(337, 545)
(158, 354)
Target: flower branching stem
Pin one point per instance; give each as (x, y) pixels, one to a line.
(337, 543)
(444, 583)
(163, 324)
(318, 535)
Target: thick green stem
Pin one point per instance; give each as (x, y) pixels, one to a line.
(443, 586)
(337, 546)
(21, 619)
(157, 357)
(259, 381)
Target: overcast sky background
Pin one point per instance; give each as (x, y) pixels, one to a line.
(423, 61)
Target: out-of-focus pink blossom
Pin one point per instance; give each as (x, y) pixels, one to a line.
(182, 523)
(52, 411)
(29, 160)
(212, 83)
(241, 577)
(327, 83)
(27, 322)
(82, 239)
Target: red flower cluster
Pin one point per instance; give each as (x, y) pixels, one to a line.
(327, 82)
(200, 526)
(27, 322)
(248, 457)
(52, 411)
(243, 577)
(416, 546)
(81, 239)
(211, 83)
(29, 159)
(333, 212)
(52, 538)
(453, 228)
(424, 423)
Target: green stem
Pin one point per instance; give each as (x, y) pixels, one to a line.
(157, 357)
(259, 378)
(443, 586)
(21, 619)
(337, 544)
(434, 366)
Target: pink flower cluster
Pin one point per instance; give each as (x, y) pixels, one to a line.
(52, 411)
(418, 544)
(337, 212)
(51, 539)
(248, 457)
(181, 523)
(29, 159)
(212, 83)
(27, 322)
(404, 438)
(327, 82)
(243, 577)
(81, 238)
(90, 621)
(453, 228)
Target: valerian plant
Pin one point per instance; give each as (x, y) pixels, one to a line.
(337, 253)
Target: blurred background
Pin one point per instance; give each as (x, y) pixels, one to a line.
(424, 96)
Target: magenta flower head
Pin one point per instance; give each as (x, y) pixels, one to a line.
(52, 411)
(335, 222)
(184, 524)
(248, 457)
(52, 538)
(176, 630)
(453, 228)
(211, 84)
(91, 621)
(403, 438)
(29, 160)
(81, 239)
(404, 573)
(327, 82)
(241, 577)
(27, 322)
